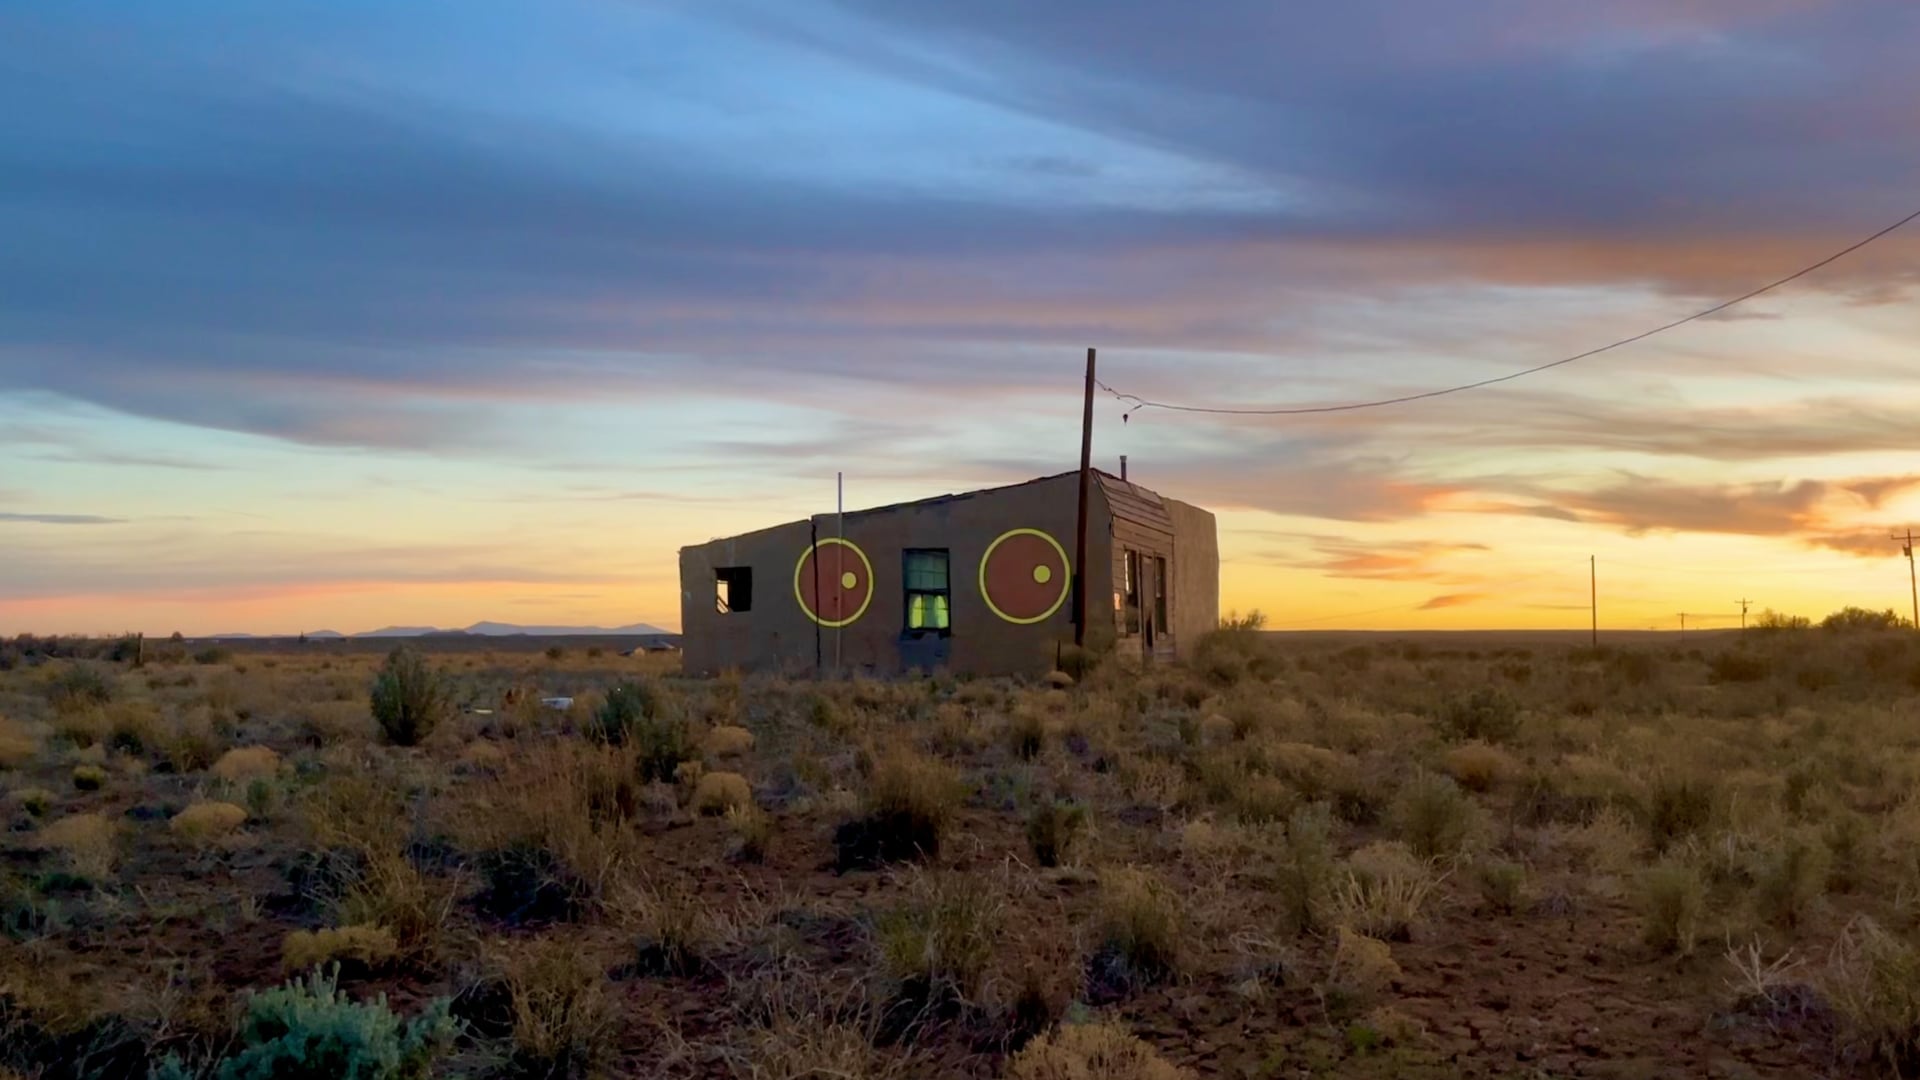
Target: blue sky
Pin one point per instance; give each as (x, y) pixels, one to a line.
(347, 314)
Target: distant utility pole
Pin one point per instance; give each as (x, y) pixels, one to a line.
(1906, 548)
(1743, 612)
(1593, 598)
(1080, 529)
(1683, 627)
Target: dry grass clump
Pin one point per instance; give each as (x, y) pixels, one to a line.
(17, 744)
(720, 793)
(1480, 767)
(1139, 926)
(1026, 732)
(35, 800)
(1434, 816)
(565, 1023)
(909, 803)
(672, 932)
(388, 891)
(90, 844)
(1096, 1051)
(937, 947)
(728, 740)
(203, 823)
(194, 743)
(1678, 805)
(1056, 830)
(1363, 968)
(752, 830)
(551, 831)
(358, 950)
(239, 765)
(1872, 980)
(1385, 892)
(1672, 899)
(89, 777)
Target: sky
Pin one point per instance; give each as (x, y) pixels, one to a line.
(344, 314)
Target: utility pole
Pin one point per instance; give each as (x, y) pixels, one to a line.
(1683, 628)
(1593, 598)
(1080, 529)
(1906, 548)
(1743, 612)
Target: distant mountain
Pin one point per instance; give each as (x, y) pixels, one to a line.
(497, 629)
(323, 635)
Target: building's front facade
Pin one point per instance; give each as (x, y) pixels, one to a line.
(979, 583)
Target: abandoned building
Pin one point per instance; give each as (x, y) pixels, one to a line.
(978, 583)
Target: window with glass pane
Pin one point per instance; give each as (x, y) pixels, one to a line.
(924, 572)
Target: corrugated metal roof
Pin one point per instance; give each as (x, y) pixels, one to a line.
(1135, 503)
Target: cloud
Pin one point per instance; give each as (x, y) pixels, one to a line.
(400, 255)
(59, 519)
(1448, 600)
(1816, 513)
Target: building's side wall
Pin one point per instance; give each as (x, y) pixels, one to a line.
(774, 635)
(1195, 592)
(777, 633)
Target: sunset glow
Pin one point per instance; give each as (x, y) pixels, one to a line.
(337, 316)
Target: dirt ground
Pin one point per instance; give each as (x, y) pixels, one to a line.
(1289, 858)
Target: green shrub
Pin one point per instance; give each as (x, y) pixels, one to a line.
(410, 698)
(1054, 829)
(1854, 619)
(627, 708)
(1793, 879)
(1503, 885)
(1735, 666)
(80, 686)
(1678, 806)
(1434, 816)
(1488, 714)
(642, 714)
(1306, 874)
(307, 1029)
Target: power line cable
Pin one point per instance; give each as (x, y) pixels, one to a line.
(1139, 403)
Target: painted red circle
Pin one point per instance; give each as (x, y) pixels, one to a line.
(1011, 580)
(836, 601)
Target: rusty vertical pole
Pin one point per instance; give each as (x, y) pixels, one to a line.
(1080, 530)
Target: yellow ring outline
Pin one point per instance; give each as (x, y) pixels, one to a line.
(1066, 582)
(801, 598)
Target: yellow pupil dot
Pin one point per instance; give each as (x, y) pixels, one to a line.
(1043, 574)
(847, 580)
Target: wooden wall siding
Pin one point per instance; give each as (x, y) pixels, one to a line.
(1140, 522)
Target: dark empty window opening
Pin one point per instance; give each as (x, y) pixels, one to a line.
(1132, 582)
(1159, 594)
(733, 589)
(924, 573)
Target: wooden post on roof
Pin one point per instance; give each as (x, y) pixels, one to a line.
(1080, 530)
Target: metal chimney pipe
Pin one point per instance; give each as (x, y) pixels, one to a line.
(1123, 466)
